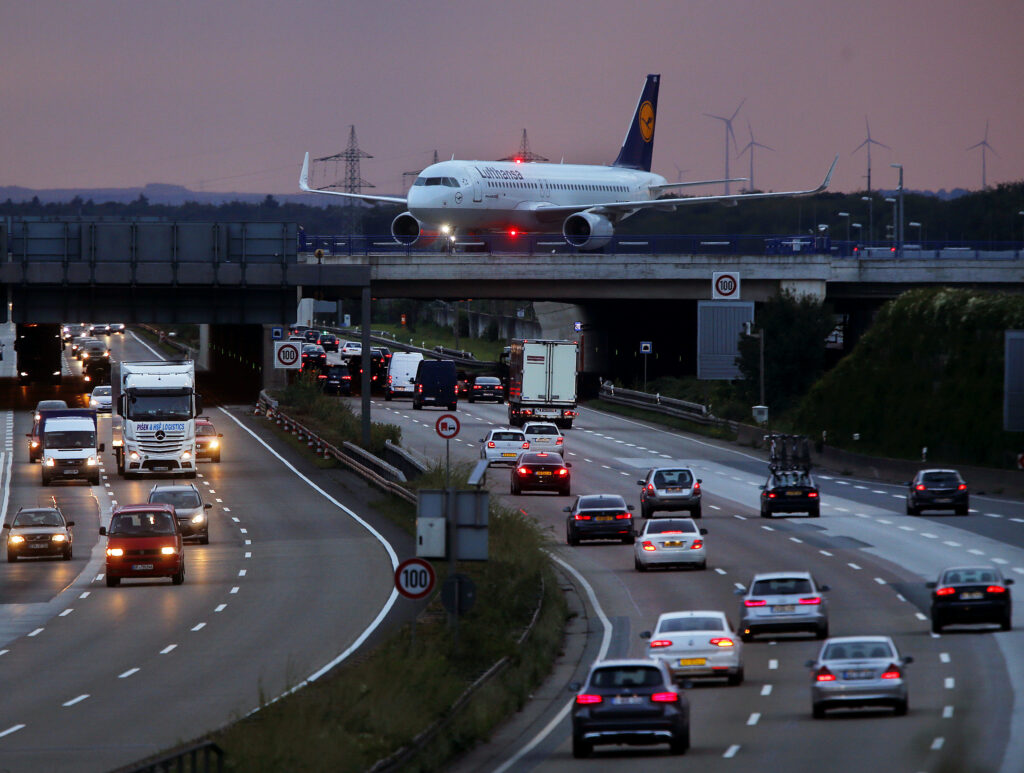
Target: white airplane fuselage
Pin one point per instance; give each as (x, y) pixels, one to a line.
(495, 195)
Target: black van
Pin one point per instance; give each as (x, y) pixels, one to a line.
(435, 384)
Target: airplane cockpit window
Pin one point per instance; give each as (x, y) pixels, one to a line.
(451, 182)
(420, 181)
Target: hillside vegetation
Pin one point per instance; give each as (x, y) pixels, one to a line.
(928, 373)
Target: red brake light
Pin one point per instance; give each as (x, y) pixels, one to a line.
(824, 675)
(995, 589)
(648, 545)
(696, 486)
(513, 232)
(581, 517)
(771, 495)
(622, 516)
(588, 699)
(754, 602)
(893, 672)
(559, 441)
(563, 472)
(945, 591)
(722, 641)
(962, 487)
(526, 444)
(812, 494)
(650, 488)
(811, 600)
(665, 697)
(697, 544)
(658, 643)
(921, 487)
(523, 470)
(490, 444)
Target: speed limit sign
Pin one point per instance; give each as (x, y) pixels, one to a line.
(725, 285)
(415, 578)
(286, 355)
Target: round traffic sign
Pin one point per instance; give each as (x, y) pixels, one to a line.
(415, 578)
(447, 426)
(726, 284)
(287, 354)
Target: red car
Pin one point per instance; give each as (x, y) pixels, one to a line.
(207, 440)
(144, 541)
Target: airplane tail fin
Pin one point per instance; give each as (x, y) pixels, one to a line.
(638, 146)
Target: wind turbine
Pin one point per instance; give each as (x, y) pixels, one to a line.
(728, 132)
(984, 146)
(869, 142)
(750, 147)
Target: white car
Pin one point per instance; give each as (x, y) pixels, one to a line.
(503, 446)
(697, 644)
(350, 349)
(544, 436)
(670, 541)
(101, 398)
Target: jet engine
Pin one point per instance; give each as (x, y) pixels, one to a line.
(409, 231)
(587, 230)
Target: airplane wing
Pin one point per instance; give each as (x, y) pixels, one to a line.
(621, 208)
(666, 186)
(304, 185)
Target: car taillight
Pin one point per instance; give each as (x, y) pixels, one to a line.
(995, 589)
(648, 545)
(945, 591)
(526, 444)
(893, 672)
(587, 700)
(523, 470)
(622, 516)
(490, 444)
(659, 643)
(824, 675)
(812, 494)
(921, 487)
(722, 641)
(563, 472)
(581, 517)
(697, 544)
(650, 488)
(770, 494)
(476, 386)
(346, 378)
(811, 600)
(962, 487)
(754, 602)
(665, 697)
(559, 441)
(696, 487)
(389, 380)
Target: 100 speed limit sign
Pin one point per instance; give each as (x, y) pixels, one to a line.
(287, 355)
(415, 578)
(725, 285)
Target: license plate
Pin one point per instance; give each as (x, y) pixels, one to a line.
(508, 454)
(160, 469)
(543, 472)
(943, 501)
(794, 493)
(627, 700)
(858, 674)
(974, 594)
(673, 489)
(674, 544)
(604, 518)
(783, 608)
(38, 546)
(692, 661)
(72, 471)
(142, 567)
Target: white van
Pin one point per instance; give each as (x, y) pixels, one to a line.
(402, 374)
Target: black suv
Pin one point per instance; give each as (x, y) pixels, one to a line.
(336, 380)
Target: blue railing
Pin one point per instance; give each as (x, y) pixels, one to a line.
(671, 244)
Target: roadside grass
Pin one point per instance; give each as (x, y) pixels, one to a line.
(375, 703)
(711, 431)
(427, 336)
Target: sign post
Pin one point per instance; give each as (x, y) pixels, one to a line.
(645, 349)
(447, 426)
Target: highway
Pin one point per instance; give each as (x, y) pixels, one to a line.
(96, 677)
(298, 572)
(875, 559)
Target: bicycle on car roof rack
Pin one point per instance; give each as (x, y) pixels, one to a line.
(788, 452)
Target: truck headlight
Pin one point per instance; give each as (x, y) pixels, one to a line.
(49, 462)
(186, 455)
(134, 456)
(90, 462)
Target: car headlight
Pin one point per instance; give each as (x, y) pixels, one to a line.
(117, 443)
(35, 444)
(90, 462)
(85, 355)
(198, 518)
(214, 444)
(168, 551)
(59, 537)
(49, 461)
(15, 539)
(115, 552)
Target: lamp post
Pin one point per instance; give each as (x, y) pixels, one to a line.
(860, 231)
(895, 219)
(899, 227)
(847, 216)
(871, 215)
(760, 337)
(914, 224)
(1021, 214)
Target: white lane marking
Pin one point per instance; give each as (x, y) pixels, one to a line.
(740, 517)
(1018, 570)
(241, 572)
(235, 519)
(976, 552)
(937, 744)
(199, 627)
(227, 510)
(951, 543)
(852, 565)
(244, 531)
(900, 597)
(234, 590)
(248, 542)
(796, 539)
(929, 536)
(907, 528)
(168, 648)
(883, 520)
(714, 507)
(739, 585)
(73, 701)
(773, 665)
(731, 751)
(11, 729)
(248, 554)
(1017, 520)
(992, 515)
(4, 652)
(947, 712)
(768, 528)
(880, 581)
(218, 499)
(66, 612)
(753, 719)
(949, 683)
(128, 673)
(37, 631)
(719, 570)
(85, 595)
(220, 607)
(944, 657)
(766, 690)
(825, 553)
(1000, 561)
(919, 616)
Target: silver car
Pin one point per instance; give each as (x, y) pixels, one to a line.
(697, 644)
(100, 399)
(854, 671)
(670, 488)
(189, 509)
(503, 446)
(544, 436)
(670, 542)
(783, 602)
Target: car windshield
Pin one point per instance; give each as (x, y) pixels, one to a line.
(858, 650)
(674, 624)
(141, 525)
(781, 586)
(69, 439)
(792, 478)
(38, 518)
(669, 525)
(103, 391)
(663, 478)
(205, 429)
(182, 499)
(969, 576)
(164, 406)
(941, 478)
(626, 676)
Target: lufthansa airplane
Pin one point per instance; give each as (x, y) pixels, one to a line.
(586, 201)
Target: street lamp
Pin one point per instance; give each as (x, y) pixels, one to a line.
(899, 227)
(748, 330)
(916, 225)
(895, 218)
(1021, 213)
(871, 215)
(860, 231)
(847, 216)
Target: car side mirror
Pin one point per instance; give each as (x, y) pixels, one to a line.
(810, 664)
(574, 686)
(703, 531)
(908, 659)
(70, 524)
(700, 480)
(566, 509)
(740, 591)
(568, 464)
(28, 434)
(220, 434)
(639, 483)
(629, 507)
(1009, 581)
(645, 635)
(824, 588)
(931, 585)
(7, 525)
(907, 483)
(207, 506)
(103, 531)
(762, 487)
(102, 447)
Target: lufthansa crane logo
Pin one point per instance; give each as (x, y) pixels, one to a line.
(647, 121)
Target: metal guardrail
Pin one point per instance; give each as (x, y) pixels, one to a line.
(202, 757)
(669, 406)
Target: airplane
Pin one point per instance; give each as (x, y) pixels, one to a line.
(507, 196)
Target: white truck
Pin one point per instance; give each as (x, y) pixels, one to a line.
(68, 445)
(542, 382)
(153, 424)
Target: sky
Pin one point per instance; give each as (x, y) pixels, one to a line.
(227, 96)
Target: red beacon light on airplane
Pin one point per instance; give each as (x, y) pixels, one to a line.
(513, 232)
